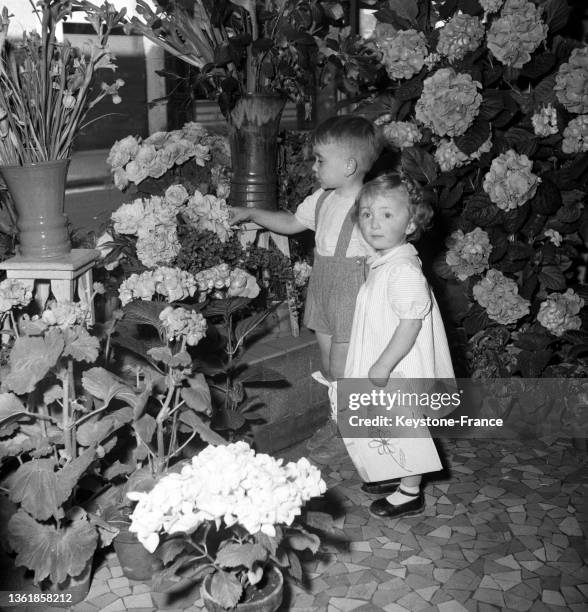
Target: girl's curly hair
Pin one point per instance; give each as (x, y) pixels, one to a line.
(420, 210)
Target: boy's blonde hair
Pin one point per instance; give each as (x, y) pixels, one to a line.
(356, 133)
(421, 211)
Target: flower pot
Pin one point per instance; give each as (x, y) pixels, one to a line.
(253, 137)
(136, 562)
(38, 192)
(266, 598)
(71, 591)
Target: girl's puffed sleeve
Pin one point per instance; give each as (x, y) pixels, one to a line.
(408, 292)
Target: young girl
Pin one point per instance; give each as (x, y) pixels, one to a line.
(397, 332)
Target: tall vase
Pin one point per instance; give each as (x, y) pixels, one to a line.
(38, 192)
(254, 124)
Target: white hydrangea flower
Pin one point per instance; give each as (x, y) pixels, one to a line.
(491, 6)
(554, 236)
(12, 294)
(460, 35)
(182, 323)
(449, 103)
(401, 134)
(468, 254)
(302, 272)
(207, 212)
(510, 182)
(449, 156)
(226, 484)
(559, 312)
(545, 121)
(499, 296)
(571, 82)
(575, 135)
(403, 53)
(128, 217)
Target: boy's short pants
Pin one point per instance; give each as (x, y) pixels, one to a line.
(332, 290)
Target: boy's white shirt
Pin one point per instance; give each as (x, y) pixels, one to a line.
(331, 217)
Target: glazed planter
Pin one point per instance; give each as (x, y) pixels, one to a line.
(254, 124)
(267, 598)
(38, 192)
(136, 562)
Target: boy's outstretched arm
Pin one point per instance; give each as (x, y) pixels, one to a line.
(278, 221)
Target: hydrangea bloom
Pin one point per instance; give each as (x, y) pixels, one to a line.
(242, 284)
(128, 217)
(217, 277)
(13, 293)
(176, 195)
(403, 53)
(173, 283)
(401, 134)
(468, 254)
(132, 160)
(449, 156)
(65, 314)
(558, 313)
(207, 212)
(182, 323)
(449, 103)
(510, 182)
(499, 296)
(575, 136)
(571, 82)
(157, 245)
(302, 271)
(226, 484)
(545, 121)
(491, 6)
(460, 35)
(517, 33)
(554, 236)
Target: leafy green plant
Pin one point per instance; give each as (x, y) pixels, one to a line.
(491, 125)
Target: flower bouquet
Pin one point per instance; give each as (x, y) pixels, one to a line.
(47, 87)
(230, 514)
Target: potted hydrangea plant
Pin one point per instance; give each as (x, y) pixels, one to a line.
(230, 518)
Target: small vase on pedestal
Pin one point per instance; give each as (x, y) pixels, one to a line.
(38, 192)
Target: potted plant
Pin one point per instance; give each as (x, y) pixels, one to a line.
(51, 442)
(46, 91)
(230, 518)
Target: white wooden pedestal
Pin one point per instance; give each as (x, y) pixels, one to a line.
(60, 276)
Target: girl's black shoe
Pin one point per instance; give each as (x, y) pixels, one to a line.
(380, 487)
(382, 508)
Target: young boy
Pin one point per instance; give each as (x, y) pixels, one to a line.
(344, 148)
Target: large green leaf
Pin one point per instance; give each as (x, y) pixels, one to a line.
(552, 278)
(80, 345)
(31, 359)
(197, 395)
(145, 313)
(226, 589)
(557, 13)
(11, 409)
(69, 476)
(303, 541)
(235, 554)
(145, 427)
(201, 428)
(35, 487)
(51, 552)
(419, 164)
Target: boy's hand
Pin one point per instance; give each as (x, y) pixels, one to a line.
(379, 374)
(239, 214)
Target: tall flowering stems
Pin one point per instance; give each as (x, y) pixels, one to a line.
(47, 86)
(492, 119)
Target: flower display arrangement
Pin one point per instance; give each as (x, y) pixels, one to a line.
(78, 429)
(47, 87)
(232, 514)
(487, 103)
(259, 47)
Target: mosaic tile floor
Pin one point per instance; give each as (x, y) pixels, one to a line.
(504, 529)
